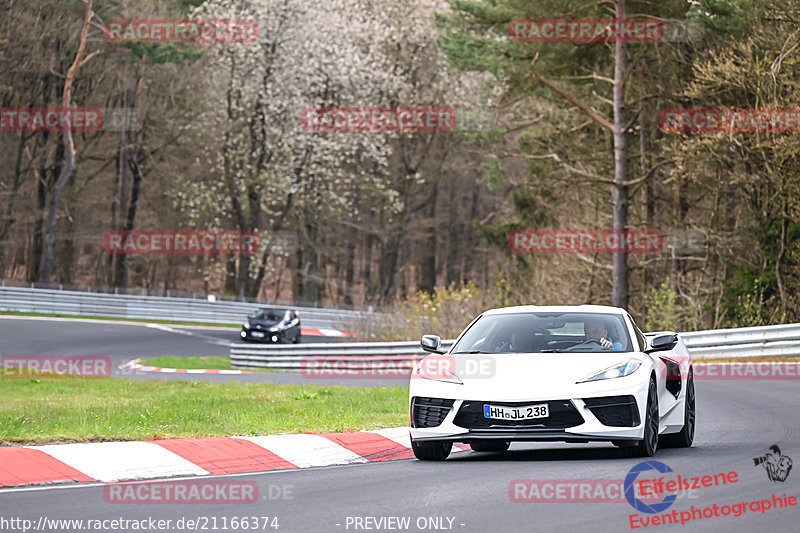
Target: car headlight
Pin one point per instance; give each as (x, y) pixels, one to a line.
(275, 328)
(616, 371)
(246, 324)
(436, 373)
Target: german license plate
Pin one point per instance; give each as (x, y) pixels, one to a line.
(257, 334)
(522, 412)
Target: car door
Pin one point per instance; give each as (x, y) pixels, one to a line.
(668, 378)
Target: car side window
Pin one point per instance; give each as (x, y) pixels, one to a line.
(642, 341)
(639, 335)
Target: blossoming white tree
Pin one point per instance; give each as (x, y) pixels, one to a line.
(272, 173)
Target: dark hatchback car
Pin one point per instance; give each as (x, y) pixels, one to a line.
(271, 325)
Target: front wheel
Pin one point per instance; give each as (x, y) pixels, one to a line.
(649, 444)
(431, 451)
(297, 339)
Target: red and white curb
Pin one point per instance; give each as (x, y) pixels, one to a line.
(134, 365)
(124, 461)
(325, 332)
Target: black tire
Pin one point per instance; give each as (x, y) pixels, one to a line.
(685, 437)
(297, 339)
(649, 444)
(490, 446)
(431, 451)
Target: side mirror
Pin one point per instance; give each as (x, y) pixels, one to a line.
(663, 342)
(431, 343)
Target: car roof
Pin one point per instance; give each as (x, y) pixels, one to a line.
(557, 309)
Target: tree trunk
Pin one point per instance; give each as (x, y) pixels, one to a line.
(619, 273)
(121, 272)
(452, 270)
(69, 152)
(123, 167)
(470, 268)
(297, 274)
(9, 219)
(44, 181)
(366, 272)
(349, 268)
(429, 247)
(230, 274)
(66, 172)
(311, 280)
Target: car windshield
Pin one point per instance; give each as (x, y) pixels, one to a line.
(267, 314)
(546, 333)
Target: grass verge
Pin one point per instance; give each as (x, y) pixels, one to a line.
(208, 363)
(122, 319)
(36, 411)
(211, 363)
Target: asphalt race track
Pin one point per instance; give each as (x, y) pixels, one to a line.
(737, 421)
(122, 342)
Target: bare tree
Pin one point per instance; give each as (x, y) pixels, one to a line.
(69, 147)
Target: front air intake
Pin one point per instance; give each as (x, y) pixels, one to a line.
(614, 411)
(429, 412)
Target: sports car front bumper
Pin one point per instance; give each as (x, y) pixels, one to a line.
(595, 415)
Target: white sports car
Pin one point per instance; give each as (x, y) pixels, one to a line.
(573, 373)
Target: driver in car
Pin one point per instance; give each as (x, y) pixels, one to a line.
(594, 329)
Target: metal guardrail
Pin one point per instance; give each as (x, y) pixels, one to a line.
(763, 341)
(179, 293)
(290, 356)
(156, 307)
(781, 340)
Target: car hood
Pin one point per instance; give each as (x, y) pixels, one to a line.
(518, 377)
(267, 323)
